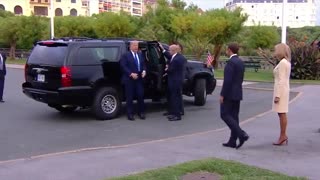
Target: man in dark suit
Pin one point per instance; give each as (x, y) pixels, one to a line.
(175, 71)
(133, 71)
(180, 49)
(231, 95)
(3, 72)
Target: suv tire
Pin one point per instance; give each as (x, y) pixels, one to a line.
(200, 93)
(106, 104)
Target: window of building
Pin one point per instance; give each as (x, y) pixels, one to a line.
(73, 1)
(40, 11)
(18, 10)
(58, 0)
(2, 7)
(58, 12)
(73, 12)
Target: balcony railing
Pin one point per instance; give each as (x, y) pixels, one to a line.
(44, 2)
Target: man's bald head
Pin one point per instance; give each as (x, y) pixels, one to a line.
(173, 49)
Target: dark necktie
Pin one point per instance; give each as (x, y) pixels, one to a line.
(137, 61)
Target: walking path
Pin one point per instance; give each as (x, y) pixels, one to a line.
(300, 158)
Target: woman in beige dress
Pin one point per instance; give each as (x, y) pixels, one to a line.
(281, 75)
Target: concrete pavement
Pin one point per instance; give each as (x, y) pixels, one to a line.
(300, 158)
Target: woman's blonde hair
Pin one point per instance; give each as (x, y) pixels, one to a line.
(282, 51)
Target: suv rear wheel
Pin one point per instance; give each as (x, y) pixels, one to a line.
(200, 93)
(106, 104)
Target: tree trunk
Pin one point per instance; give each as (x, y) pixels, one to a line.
(216, 52)
(12, 53)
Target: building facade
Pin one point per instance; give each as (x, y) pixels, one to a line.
(42, 7)
(72, 7)
(133, 7)
(299, 13)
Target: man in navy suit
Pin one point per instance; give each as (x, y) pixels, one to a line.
(133, 71)
(175, 71)
(168, 92)
(3, 72)
(231, 95)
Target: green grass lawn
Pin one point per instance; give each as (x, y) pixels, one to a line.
(263, 76)
(16, 61)
(226, 169)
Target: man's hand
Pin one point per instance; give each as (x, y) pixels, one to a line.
(166, 69)
(143, 74)
(221, 99)
(276, 100)
(161, 47)
(134, 76)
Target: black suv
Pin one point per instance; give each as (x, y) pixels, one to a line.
(68, 73)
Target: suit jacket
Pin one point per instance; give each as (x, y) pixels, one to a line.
(176, 68)
(233, 79)
(128, 65)
(3, 72)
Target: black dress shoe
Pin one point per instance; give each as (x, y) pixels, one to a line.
(168, 114)
(1, 101)
(174, 118)
(130, 118)
(230, 145)
(142, 116)
(242, 140)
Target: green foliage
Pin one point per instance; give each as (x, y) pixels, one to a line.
(70, 26)
(263, 37)
(113, 25)
(305, 60)
(29, 34)
(304, 33)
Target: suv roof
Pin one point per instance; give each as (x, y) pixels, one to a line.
(86, 39)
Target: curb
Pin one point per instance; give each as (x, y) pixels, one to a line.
(15, 66)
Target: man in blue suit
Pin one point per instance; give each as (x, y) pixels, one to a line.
(133, 71)
(168, 92)
(231, 95)
(175, 71)
(3, 72)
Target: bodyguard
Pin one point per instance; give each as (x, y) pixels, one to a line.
(3, 72)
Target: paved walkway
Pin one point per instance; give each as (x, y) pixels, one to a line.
(300, 158)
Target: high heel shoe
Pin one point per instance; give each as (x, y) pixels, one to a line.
(285, 141)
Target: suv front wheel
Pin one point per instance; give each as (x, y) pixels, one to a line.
(200, 93)
(106, 104)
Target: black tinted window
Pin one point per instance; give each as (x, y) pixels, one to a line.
(96, 55)
(48, 55)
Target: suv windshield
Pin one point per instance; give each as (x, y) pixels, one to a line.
(48, 55)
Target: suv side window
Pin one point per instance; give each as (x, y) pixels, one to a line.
(96, 55)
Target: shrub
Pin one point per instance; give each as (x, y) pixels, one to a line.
(305, 60)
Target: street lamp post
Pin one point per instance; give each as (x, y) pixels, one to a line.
(51, 19)
(284, 25)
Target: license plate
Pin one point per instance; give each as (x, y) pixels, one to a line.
(41, 78)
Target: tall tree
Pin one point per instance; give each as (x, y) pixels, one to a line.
(114, 25)
(10, 31)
